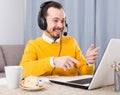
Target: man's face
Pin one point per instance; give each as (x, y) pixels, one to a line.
(55, 22)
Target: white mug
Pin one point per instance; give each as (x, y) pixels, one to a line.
(13, 75)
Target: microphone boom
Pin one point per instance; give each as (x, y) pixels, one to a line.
(65, 33)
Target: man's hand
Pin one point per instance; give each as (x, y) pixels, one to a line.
(92, 55)
(65, 62)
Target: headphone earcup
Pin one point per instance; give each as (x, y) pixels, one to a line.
(42, 23)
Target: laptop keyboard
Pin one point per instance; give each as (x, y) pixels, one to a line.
(82, 81)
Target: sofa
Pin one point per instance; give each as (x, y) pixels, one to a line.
(10, 55)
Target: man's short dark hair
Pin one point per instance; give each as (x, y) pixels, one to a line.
(43, 12)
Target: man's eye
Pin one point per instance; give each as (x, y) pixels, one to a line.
(55, 21)
(63, 21)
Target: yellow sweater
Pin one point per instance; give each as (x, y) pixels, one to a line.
(37, 54)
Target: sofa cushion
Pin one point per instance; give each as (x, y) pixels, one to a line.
(2, 61)
(12, 53)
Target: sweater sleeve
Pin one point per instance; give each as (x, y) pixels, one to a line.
(83, 67)
(32, 64)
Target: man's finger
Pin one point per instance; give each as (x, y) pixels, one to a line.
(97, 49)
(74, 61)
(91, 47)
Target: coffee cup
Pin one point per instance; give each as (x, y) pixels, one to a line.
(13, 75)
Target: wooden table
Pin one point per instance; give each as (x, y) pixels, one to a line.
(56, 89)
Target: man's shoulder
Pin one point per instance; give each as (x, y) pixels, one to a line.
(67, 38)
(35, 40)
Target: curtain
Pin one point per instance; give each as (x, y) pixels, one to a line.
(89, 21)
(107, 23)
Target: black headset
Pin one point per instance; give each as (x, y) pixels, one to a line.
(42, 23)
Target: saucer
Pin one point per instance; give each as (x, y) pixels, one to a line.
(22, 86)
(31, 88)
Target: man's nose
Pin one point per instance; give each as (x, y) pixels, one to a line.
(60, 24)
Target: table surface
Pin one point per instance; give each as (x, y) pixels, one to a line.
(56, 89)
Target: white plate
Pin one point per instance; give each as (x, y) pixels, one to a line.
(31, 89)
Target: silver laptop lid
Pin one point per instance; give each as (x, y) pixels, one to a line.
(104, 74)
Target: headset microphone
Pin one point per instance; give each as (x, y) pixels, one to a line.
(65, 33)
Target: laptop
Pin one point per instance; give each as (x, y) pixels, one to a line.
(104, 74)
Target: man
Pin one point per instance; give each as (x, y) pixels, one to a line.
(53, 53)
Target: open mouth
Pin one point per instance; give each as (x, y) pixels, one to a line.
(58, 31)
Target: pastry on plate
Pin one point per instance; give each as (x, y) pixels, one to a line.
(31, 82)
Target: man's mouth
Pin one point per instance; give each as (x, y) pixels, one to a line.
(58, 31)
